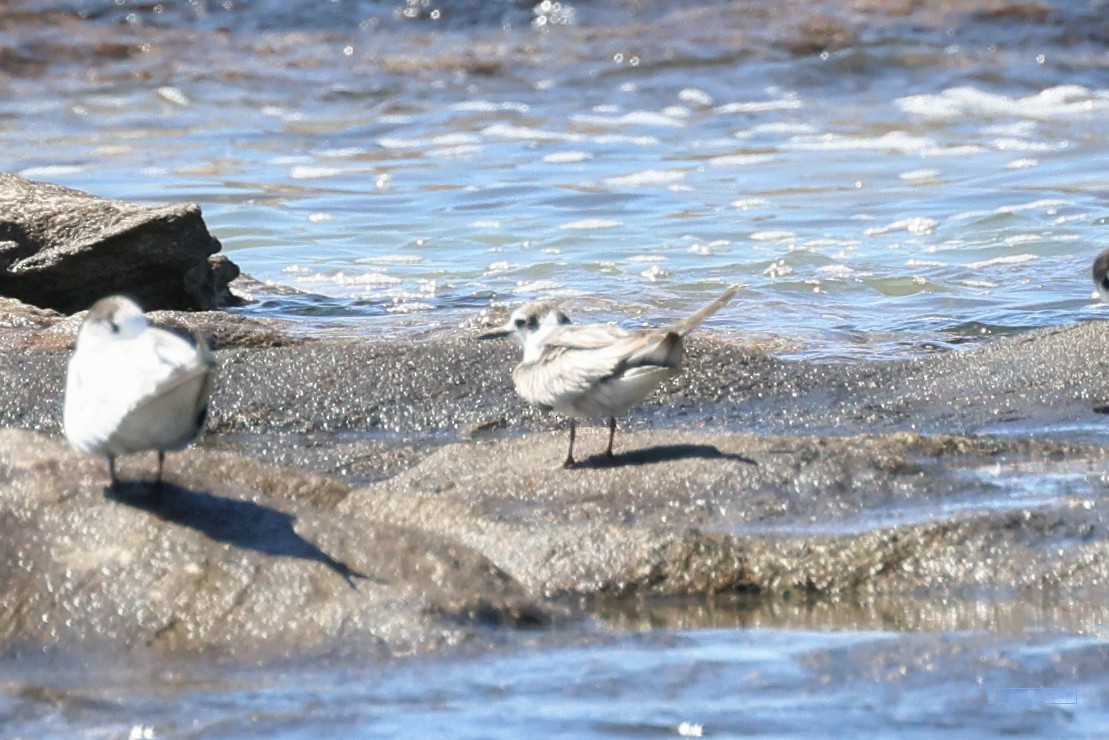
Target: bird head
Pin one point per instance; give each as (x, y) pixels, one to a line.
(114, 317)
(530, 323)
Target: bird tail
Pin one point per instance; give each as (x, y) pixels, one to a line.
(688, 325)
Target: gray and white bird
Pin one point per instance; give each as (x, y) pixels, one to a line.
(132, 387)
(1101, 275)
(593, 370)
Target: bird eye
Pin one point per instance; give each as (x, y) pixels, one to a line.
(519, 323)
(563, 318)
(533, 322)
(115, 327)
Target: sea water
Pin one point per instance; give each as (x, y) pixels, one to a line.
(881, 185)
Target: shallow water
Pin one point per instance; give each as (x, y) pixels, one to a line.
(706, 668)
(900, 186)
(881, 187)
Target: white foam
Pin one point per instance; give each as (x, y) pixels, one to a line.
(917, 225)
(1010, 144)
(836, 271)
(695, 96)
(1063, 101)
(632, 118)
(1048, 205)
(410, 307)
(443, 141)
(51, 171)
(526, 133)
(587, 224)
(893, 141)
(490, 106)
(174, 95)
(1022, 164)
(567, 157)
(920, 175)
(346, 152)
(390, 259)
(453, 152)
(646, 177)
(309, 172)
(759, 106)
(623, 139)
(778, 269)
(783, 127)
(738, 160)
(344, 279)
(1011, 259)
(772, 236)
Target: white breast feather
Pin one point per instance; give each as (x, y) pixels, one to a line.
(136, 394)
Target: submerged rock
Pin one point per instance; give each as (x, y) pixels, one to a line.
(63, 249)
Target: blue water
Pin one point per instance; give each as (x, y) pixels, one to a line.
(711, 682)
(904, 192)
(911, 182)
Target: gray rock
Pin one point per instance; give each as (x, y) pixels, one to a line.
(231, 558)
(682, 513)
(834, 492)
(64, 249)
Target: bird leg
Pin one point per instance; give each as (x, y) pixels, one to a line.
(569, 463)
(611, 434)
(161, 462)
(112, 471)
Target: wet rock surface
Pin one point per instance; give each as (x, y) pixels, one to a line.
(682, 513)
(63, 249)
(223, 560)
(415, 465)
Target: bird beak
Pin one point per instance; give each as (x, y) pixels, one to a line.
(496, 333)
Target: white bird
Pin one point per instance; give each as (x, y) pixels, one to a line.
(590, 370)
(132, 387)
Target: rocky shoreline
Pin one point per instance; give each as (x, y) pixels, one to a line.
(360, 496)
(397, 497)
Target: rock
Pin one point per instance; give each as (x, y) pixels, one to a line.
(229, 559)
(838, 494)
(682, 513)
(63, 249)
(25, 328)
(423, 393)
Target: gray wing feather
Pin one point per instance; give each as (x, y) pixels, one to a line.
(586, 336)
(563, 373)
(688, 325)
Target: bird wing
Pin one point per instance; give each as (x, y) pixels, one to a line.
(169, 361)
(571, 365)
(586, 336)
(158, 360)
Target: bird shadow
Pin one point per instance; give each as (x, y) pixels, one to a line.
(662, 453)
(243, 524)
